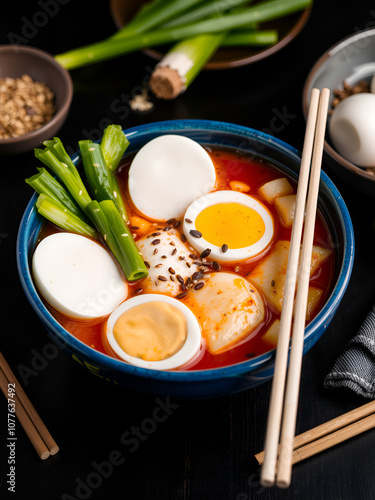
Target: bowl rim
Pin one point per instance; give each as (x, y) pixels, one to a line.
(342, 44)
(108, 362)
(42, 54)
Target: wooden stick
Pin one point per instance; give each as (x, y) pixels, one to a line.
(33, 425)
(327, 427)
(277, 392)
(284, 470)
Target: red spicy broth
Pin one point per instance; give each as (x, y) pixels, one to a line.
(229, 167)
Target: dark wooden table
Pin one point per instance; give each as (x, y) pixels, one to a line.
(110, 448)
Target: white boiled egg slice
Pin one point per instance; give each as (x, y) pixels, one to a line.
(168, 261)
(77, 276)
(352, 129)
(167, 174)
(229, 309)
(154, 331)
(233, 225)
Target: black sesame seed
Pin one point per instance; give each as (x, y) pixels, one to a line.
(167, 228)
(154, 234)
(188, 281)
(180, 278)
(273, 283)
(155, 251)
(181, 257)
(188, 221)
(162, 278)
(159, 265)
(174, 251)
(224, 248)
(147, 264)
(176, 223)
(195, 233)
(193, 256)
(171, 221)
(199, 285)
(188, 264)
(171, 270)
(181, 295)
(138, 291)
(197, 275)
(172, 243)
(216, 265)
(134, 227)
(205, 253)
(155, 242)
(163, 257)
(183, 238)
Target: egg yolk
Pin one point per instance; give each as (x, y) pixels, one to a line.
(233, 224)
(151, 331)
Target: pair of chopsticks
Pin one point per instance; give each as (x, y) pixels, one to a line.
(330, 433)
(26, 414)
(282, 411)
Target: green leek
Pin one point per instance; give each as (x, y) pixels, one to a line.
(110, 48)
(114, 144)
(59, 215)
(255, 38)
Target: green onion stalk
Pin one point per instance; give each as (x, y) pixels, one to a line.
(59, 215)
(44, 183)
(114, 144)
(118, 238)
(102, 182)
(110, 48)
(252, 38)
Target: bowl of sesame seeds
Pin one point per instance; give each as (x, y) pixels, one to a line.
(35, 97)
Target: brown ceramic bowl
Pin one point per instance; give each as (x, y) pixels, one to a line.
(350, 60)
(16, 61)
(227, 57)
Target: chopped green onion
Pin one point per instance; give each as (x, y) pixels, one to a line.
(102, 183)
(73, 183)
(44, 183)
(131, 261)
(56, 147)
(110, 48)
(114, 144)
(62, 217)
(261, 37)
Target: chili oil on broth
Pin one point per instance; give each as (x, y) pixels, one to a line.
(232, 171)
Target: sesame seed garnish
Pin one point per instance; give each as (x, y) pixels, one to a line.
(167, 228)
(171, 270)
(80, 192)
(155, 242)
(183, 238)
(155, 251)
(195, 233)
(153, 235)
(105, 237)
(134, 227)
(174, 251)
(64, 164)
(193, 256)
(147, 264)
(181, 295)
(176, 223)
(159, 265)
(162, 278)
(236, 269)
(95, 165)
(224, 248)
(180, 279)
(181, 257)
(188, 264)
(216, 265)
(124, 234)
(188, 221)
(199, 285)
(205, 253)
(188, 281)
(138, 291)
(114, 194)
(171, 278)
(172, 243)
(91, 149)
(171, 221)
(163, 257)
(197, 275)
(96, 209)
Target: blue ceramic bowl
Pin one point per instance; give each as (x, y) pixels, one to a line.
(220, 381)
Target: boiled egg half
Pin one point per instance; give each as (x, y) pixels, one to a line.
(233, 225)
(154, 331)
(167, 174)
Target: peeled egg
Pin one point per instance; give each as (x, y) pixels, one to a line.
(185, 353)
(352, 129)
(167, 174)
(77, 276)
(233, 225)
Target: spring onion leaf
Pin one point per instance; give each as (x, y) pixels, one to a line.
(114, 144)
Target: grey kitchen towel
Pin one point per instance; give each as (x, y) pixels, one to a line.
(355, 367)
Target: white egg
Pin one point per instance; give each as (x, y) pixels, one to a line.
(167, 174)
(189, 349)
(77, 276)
(167, 257)
(352, 129)
(229, 309)
(238, 221)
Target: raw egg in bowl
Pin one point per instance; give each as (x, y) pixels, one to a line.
(236, 303)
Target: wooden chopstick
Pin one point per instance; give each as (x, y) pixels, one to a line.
(330, 433)
(313, 147)
(28, 417)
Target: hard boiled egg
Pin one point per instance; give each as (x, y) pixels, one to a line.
(233, 225)
(77, 276)
(229, 309)
(352, 129)
(154, 331)
(167, 174)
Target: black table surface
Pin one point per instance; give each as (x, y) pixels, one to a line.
(205, 447)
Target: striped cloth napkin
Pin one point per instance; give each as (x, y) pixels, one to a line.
(355, 367)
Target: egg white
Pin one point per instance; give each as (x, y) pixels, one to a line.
(186, 353)
(232, 254)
